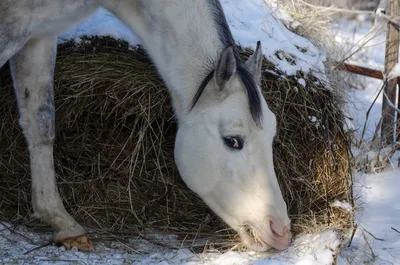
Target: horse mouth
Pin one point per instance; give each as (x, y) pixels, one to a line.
(257, 238)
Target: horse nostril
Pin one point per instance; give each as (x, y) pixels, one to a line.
(278, 229)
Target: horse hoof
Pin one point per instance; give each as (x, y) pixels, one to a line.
(81, 242)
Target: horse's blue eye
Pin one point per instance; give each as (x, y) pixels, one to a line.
(234, 142)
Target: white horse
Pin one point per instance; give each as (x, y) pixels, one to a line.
(223, 147)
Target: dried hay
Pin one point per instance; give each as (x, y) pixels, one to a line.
(308, 21)
(114, 150)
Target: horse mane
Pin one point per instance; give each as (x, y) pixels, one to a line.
(245, 76)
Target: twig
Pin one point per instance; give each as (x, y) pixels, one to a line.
(361, 46)
(376, 238)
(375, 137)
(394, 229)
(335, 9)
(393, 19)
(369, 110)
(330, 143)
(15, 232)
(39, 247)
(352, 234)
(370, 248)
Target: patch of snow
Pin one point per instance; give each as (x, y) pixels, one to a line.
(312, 118)
(395, 72)
(348, 123)
(281, 14)
(376, 240)
(302, 82)
(344, 205)
(101, 23)
(287, 50)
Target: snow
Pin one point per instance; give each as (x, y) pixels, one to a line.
(377, 194)
(102, 23)
(375, 242)
(302, 82)
(395, 72)
(365, 45)
(344, 205)
(363, 42)
(308, 249)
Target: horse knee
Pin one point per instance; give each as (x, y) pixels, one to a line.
(38, 126)
(36, 108)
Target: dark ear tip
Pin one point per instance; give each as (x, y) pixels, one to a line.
(229, 47)
(258, 44)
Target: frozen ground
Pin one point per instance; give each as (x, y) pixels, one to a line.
(311, 249)
(378, 196)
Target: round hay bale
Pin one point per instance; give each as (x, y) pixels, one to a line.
(114, 149)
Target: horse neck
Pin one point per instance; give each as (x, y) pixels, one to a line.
(182, 40)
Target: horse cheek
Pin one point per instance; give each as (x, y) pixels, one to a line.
(197, 165)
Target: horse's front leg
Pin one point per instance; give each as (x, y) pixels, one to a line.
(32, 70)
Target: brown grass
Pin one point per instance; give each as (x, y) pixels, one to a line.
(114, 150)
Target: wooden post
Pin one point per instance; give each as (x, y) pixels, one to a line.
(398, 119)
(391, 59)
(398, 114)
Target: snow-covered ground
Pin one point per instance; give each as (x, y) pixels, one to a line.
(310, 249)
(376, 240)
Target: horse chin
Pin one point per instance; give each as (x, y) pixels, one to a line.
(253, 241)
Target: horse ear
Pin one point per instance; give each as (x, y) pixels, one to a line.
(254, 62)
(226, 67)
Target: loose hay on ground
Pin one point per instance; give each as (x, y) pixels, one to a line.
(114, 149)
